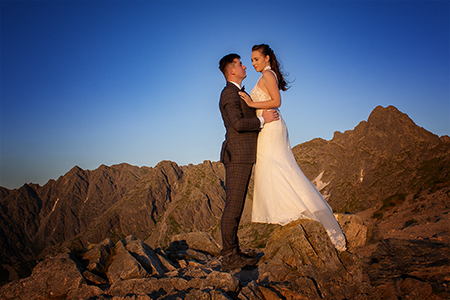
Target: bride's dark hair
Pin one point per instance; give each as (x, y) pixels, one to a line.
(274, 65)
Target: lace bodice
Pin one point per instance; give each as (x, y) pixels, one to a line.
(258, 95)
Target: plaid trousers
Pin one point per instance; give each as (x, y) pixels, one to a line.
(237, 177)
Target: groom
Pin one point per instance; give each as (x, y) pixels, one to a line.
(238, 155)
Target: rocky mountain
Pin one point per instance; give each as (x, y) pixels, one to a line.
(385, 156)
(85, 207)
(385, 163)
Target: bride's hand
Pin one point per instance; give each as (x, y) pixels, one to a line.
(246, 98)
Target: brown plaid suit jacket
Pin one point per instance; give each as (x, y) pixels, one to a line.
(238, 154)
(242, 127)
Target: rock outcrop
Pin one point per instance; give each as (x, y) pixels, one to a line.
(300, 253)
(408, 246)
(299, 262)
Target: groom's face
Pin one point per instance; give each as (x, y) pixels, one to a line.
(239, 69)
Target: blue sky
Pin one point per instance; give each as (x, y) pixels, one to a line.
(104, 82)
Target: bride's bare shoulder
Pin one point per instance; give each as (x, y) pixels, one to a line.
(269, 77)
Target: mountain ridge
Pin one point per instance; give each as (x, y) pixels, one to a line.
(388, 150)
(385, 156)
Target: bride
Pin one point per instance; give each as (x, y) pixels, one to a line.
(282, 193)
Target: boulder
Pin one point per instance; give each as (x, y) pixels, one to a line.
(221, 280)
(145, 255)
(425, 260)
(252, 292)
(85, 291)
(124, 266)
(94, 278)
(354, 229)
(207, 295)
(149, 286)
(201, 241)
(167, 265)
(99, 256)
(193, 254)
(301, 251)
(51, 278)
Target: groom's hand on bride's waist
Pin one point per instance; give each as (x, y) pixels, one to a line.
(270, 115)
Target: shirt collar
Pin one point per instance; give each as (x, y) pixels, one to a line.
(236, 84)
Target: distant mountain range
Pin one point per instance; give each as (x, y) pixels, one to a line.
(385, 157)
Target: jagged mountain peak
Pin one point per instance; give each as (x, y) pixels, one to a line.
(166, 164)
(391, 120)
(76, 169)
(169, 169)
(380, 114)
(385, 126)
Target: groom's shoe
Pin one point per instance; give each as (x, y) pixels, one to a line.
(235, 260)
(248, 253)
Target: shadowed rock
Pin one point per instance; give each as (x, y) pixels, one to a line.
(51, 278)
(299, 262)
(146, 257)
(99, 256)
(302, 250)
(392, 259)
(124, 266)
(199, 241)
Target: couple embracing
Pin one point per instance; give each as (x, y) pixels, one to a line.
(256, 134)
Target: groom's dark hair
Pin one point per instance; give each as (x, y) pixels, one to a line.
(226, 60)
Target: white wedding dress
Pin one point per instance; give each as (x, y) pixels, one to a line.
(282, 193)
